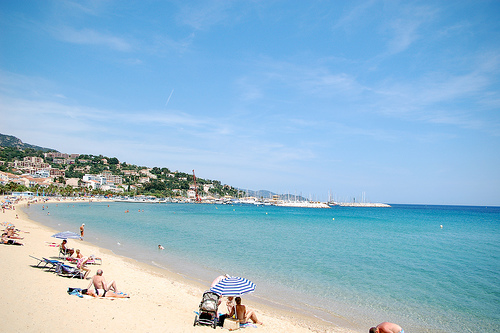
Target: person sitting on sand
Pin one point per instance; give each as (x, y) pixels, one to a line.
(386, 327)
(230, 304)
(100, 285)
(6, 240)
(65, 250)
(242, 314)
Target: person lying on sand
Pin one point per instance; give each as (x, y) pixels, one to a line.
(91, 292)
(242, 314)
(6, 240)
(101, 287)
(11, 233)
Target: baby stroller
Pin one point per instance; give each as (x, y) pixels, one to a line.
(208, 310)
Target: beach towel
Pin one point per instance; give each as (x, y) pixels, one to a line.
(75, 292)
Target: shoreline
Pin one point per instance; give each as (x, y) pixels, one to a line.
(161, 300)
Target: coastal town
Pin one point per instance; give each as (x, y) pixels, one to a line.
(44, 172)
(80, 175)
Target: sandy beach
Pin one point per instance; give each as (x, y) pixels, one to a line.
(35, 300)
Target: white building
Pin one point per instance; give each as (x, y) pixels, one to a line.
(99, 179)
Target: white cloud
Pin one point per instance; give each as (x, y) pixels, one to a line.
(405, 25)
(204, 15)
(93, 37)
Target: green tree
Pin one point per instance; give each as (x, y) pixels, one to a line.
(113, 160)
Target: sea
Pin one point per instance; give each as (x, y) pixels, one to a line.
(427, 268)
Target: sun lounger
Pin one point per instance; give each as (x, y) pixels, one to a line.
(40, 262)
(65, 270)
(52, 264)
(91, 261)
(94, 260)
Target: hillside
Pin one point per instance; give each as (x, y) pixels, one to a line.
(13, 142)
(162, 182)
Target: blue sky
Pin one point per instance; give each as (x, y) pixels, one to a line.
(399, 100)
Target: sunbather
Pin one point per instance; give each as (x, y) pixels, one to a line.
(11, 233)
(100, 285)
(6, 240)
(92, 293)
(242, 314)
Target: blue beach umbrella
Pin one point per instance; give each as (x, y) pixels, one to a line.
(66, 235)
(233, 286)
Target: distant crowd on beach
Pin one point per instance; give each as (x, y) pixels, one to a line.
(11, 235)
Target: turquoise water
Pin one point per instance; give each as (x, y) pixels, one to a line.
(352, 267)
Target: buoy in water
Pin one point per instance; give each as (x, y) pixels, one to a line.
(441, 226)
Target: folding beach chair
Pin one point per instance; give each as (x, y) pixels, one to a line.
(40, 262)
(52, 264)
(62, 253)
(65, 270)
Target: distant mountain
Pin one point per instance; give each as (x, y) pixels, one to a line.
(13, 142)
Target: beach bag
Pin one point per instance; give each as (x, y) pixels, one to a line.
(71, 290)
(75, 292)
(231, 324)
